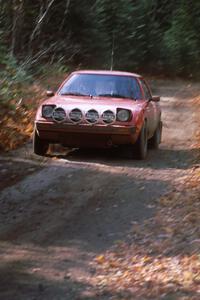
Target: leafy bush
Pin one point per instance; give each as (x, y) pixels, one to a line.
(180, 47)
(13, 78)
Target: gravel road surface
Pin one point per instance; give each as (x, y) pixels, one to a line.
(58, 213)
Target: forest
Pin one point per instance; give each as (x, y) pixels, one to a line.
(159, 37)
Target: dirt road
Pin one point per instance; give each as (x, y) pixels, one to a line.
(58, 213)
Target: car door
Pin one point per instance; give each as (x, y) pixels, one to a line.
(151, 108)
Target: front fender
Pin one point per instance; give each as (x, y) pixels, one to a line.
(139, 118)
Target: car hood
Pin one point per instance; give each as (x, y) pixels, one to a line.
(98, 103)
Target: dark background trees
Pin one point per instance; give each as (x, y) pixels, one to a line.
(146, 35)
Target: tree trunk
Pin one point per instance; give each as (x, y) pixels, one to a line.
(17, 26)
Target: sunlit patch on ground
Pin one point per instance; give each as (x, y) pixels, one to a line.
(161, 258)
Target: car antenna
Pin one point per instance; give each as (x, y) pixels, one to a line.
(112, 52)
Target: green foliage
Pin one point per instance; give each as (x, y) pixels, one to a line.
(148, 35)
(180, 43)
(13, 78)
(46, 70)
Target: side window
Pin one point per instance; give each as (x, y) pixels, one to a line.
(147, 93)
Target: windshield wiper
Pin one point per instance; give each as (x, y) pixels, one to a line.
(74, 94)
(114, 96)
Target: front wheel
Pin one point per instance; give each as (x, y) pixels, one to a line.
(140, 147)
(40, 146)
(156, 138)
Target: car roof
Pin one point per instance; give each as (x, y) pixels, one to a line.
(106, 72)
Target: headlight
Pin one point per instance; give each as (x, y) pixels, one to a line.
(123, 115)
(47, 110)
(108, 116)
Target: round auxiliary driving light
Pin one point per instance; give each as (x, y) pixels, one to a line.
(59, 114)
(75, 115)
(92, 116)
(108, 116)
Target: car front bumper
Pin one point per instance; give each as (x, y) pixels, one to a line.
(76, 135)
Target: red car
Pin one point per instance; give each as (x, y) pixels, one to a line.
(100, 109)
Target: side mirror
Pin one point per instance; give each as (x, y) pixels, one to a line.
(155, 98)
(50, 93)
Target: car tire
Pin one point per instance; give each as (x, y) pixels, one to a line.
(140, 147)
(40, 147)
(156, 138)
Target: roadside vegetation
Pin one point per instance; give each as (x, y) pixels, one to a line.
(20, 96)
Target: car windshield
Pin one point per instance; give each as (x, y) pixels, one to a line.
(98, 85)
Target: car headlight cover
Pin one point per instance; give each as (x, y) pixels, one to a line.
(123, 115)
(47, 111)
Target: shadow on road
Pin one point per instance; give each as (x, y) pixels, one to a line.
(157, 159)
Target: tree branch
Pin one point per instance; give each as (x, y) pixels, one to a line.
(39, 23)
(65, 14)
